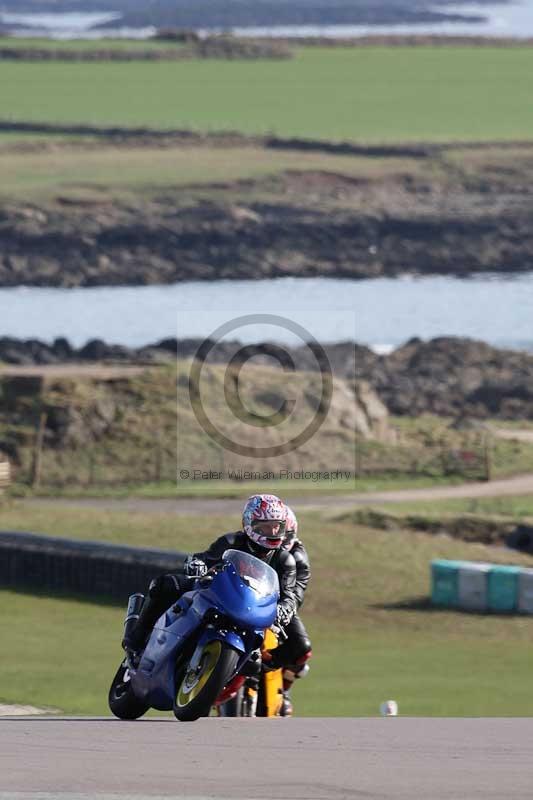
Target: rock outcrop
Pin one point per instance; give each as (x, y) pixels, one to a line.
(447, 376)
(452, 376)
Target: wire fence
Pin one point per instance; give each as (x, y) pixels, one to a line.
(100, 466)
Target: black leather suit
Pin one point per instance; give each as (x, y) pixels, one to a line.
(297, 649)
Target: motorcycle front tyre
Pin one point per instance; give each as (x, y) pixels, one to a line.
(121, 699)
(197, 691)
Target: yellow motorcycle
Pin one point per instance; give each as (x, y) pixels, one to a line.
(258, 694)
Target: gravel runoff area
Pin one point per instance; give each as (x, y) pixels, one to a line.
(279, 759)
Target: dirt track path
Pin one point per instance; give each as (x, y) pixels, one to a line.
(519, 435)
(100, 372)
(518, 485)
(317, 759)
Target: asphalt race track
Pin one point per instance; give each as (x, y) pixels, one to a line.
(292, 759)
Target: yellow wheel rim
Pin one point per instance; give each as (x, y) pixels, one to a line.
(195, 680)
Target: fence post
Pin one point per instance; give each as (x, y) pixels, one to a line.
(358, 455)
(487, 443)
(38, 451)
(158, 462)
(92, 462)
(358, 460)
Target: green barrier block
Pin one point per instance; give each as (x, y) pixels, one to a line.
(503, 588)
(444, 583)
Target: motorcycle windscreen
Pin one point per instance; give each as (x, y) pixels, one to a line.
(254, 573)
(244, 590)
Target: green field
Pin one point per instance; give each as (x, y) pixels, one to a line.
(369, 94)
(105, 171)
(374, 636)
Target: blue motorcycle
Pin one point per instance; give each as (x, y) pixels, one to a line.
(201, 643)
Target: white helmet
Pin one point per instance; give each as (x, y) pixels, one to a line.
(264, 508)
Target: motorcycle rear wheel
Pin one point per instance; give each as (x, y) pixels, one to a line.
(196, 691)
(121, 699)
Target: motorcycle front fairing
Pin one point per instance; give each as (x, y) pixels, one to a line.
(237, 608)
(247, 600)
(154, 678)
(227, 608)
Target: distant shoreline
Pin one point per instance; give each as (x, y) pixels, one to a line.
(253, 19)
(38, 352)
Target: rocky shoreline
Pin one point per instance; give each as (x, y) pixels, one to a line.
(447, 376)
(314, 224)
(346, 210)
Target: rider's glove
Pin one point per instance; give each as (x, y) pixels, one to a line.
(283, 617)
(194, 567)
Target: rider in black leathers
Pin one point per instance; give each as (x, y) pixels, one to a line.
(296, 668)
(259, 542)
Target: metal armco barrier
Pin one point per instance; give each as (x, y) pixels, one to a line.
(94, 569)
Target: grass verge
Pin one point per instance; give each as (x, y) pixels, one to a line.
(515, 507)
(229, 489)
(107, 172)
(374, 635)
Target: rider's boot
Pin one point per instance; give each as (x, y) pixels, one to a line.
(289, 676)
(286, 705)
(135, 604)
(138, 625)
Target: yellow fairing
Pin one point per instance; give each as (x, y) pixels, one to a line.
(273, 681)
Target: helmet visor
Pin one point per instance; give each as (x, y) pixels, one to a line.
(269, 533)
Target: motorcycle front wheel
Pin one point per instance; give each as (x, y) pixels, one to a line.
(122, 701)
(197, 690)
